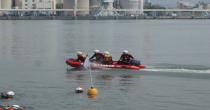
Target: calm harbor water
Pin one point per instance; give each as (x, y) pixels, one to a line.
(176, 52)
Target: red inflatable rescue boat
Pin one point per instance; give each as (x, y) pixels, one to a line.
(76, 64)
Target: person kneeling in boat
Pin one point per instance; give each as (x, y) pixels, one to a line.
(97, 57)
(126, 58)
(81, 56)
(107, 58)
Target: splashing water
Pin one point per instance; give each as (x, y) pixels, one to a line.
(87, 66)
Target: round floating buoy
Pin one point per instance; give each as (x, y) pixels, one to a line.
(11, 94)
(79, 90)
(92, 91)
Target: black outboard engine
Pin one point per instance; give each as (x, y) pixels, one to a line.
(4, 96)
(135, 62)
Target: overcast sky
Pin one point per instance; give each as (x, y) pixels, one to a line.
(172, 3)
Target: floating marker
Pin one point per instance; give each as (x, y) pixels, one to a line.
(92, 91)
(79, 90)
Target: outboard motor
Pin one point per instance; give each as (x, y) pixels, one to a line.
(135, 62)
(4, 95)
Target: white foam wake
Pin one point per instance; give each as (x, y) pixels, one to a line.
(176, 70)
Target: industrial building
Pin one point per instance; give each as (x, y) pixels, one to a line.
(17, 4)
(132, 4)
(106, 9)
(185, 5)
(94, 6)
(6, 4)
(95, 3)
(10, 4)
(108, 4)
(38, 4)
(77, 4)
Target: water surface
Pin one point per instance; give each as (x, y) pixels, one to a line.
(176, 52)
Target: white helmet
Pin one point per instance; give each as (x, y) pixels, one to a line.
(125, 51)
(11, 93)
(16, 106)
(106, 52)
(79, 53)
(96, 51)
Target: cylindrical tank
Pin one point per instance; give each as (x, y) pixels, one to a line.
(95, 3)
(79, 4)
(16, 4)
(108, 4)
(6, 4)
(94, 6)
(131, 4)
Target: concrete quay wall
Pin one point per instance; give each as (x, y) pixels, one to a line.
(95, 18)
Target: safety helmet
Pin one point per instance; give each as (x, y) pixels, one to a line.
(79, 53)
(16, 106)
(96, 51)
(11, 93)
(106, 52)
(125, 51)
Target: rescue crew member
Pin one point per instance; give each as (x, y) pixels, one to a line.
(81, 56)
(107, 58)
(97, 56)
(125, 58)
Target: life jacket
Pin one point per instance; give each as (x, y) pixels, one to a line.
(107, 59)
(81, 58)
(1, 108)
(98, 57)
(10, 108)
(126, 57)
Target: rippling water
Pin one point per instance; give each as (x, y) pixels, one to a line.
(176, 52)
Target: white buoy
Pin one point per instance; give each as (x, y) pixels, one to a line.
(11, 93)
(79, 90)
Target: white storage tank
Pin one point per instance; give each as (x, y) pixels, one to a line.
(80, 4)
(129, 4)
(95, 6)
(95, 3)
(6, 4)
(132, 4)
(108, 4)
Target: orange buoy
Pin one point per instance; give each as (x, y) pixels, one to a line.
(92, 91)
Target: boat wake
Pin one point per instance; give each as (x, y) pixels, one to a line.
(178, 68)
